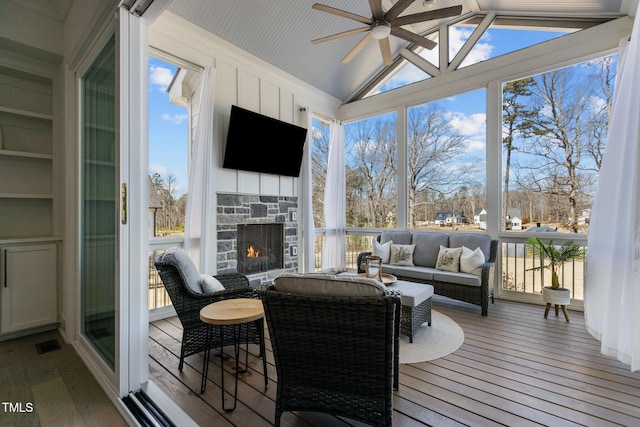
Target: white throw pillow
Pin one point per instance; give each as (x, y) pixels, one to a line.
(449, 259)
(383, 250)
(210, 284)
(471, 261)
(402, 254)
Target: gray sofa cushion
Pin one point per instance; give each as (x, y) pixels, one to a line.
(315, 284)
(458, 278)
(418, 273)
(185, 266)
(397, 237)
(427, 247)
(472, 241)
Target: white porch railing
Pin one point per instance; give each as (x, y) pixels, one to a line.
(159, 301)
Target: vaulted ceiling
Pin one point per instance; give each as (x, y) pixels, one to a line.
(280, 31)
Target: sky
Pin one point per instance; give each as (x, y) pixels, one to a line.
(168, 131)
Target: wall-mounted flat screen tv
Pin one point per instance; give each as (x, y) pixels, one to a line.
(258, 143)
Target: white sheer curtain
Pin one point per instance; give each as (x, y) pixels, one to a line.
(200, 207)
(333, 250)
(612, 289)
(308, 231)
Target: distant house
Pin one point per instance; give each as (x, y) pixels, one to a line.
(481, 219)
(514, 219)
(448, 217)
(441, 217)
(583, 219)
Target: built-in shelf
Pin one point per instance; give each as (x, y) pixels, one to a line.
(25, 113)
(25, 196)
(25, 154)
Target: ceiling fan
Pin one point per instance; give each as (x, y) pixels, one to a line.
(382, 24)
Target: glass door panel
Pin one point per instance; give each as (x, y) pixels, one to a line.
(99, 204)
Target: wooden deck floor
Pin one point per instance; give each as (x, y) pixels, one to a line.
(515, 368)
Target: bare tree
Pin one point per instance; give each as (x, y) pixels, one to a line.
(372, 152)
(432, 146)
(562, 100)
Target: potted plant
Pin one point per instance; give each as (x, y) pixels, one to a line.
(557, 255)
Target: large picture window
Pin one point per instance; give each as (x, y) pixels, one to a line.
(554, 134)
(371, 172)
(446, 153)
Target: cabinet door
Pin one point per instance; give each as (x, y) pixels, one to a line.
(29, 288)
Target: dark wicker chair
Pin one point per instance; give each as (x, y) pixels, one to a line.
(188, 303)
(336, 355)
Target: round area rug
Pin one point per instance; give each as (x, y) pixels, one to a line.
(443, 337)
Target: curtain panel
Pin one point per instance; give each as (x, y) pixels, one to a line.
(612, 289)
(200, 208)
(334, 248)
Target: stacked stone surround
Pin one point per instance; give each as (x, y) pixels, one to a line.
(234, 209)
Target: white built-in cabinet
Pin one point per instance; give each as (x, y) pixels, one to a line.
(28, 235)
(29, 294)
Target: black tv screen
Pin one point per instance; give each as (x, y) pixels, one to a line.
(258, 143)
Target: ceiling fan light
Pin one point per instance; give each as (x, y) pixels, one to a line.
(380, 30)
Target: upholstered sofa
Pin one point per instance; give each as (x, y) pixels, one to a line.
(451, 262)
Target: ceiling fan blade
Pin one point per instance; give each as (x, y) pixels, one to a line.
(338, 35)
(397, 9)
(385, 49)
(413, 38)
(342, 13)
(427, 16)
(376, 9)
(366, 39)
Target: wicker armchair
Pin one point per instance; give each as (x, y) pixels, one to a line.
(188, 303)
(334, 354)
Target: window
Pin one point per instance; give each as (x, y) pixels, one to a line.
(168, 149)
(446, 162)
(554, 134)
(371, 172)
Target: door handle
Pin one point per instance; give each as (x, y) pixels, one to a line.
(123, 193)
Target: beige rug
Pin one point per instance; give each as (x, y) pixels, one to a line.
(443, 337)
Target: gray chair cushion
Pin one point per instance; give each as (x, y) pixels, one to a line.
(185, 266)
(472, 241)
(397, 237)
(427, 247)
(315, 284)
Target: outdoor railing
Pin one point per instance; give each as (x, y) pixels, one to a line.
(518, 276)
(158, 296)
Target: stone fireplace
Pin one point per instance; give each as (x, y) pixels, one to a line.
(269, 223)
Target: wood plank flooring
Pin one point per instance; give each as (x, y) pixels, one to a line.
(54, 388)
(514, 369)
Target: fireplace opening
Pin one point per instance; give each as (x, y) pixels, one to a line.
(260, 247)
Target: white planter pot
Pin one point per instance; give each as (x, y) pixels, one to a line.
(560, 296)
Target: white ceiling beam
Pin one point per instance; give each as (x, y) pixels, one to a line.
(571, 49)
(471, 41)
(420, 62)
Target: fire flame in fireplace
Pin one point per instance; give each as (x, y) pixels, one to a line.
(252, 253)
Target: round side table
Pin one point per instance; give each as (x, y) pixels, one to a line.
(233, 312)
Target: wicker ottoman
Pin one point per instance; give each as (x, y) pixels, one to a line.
(416, 305)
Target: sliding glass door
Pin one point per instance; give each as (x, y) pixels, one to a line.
(99, 204)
